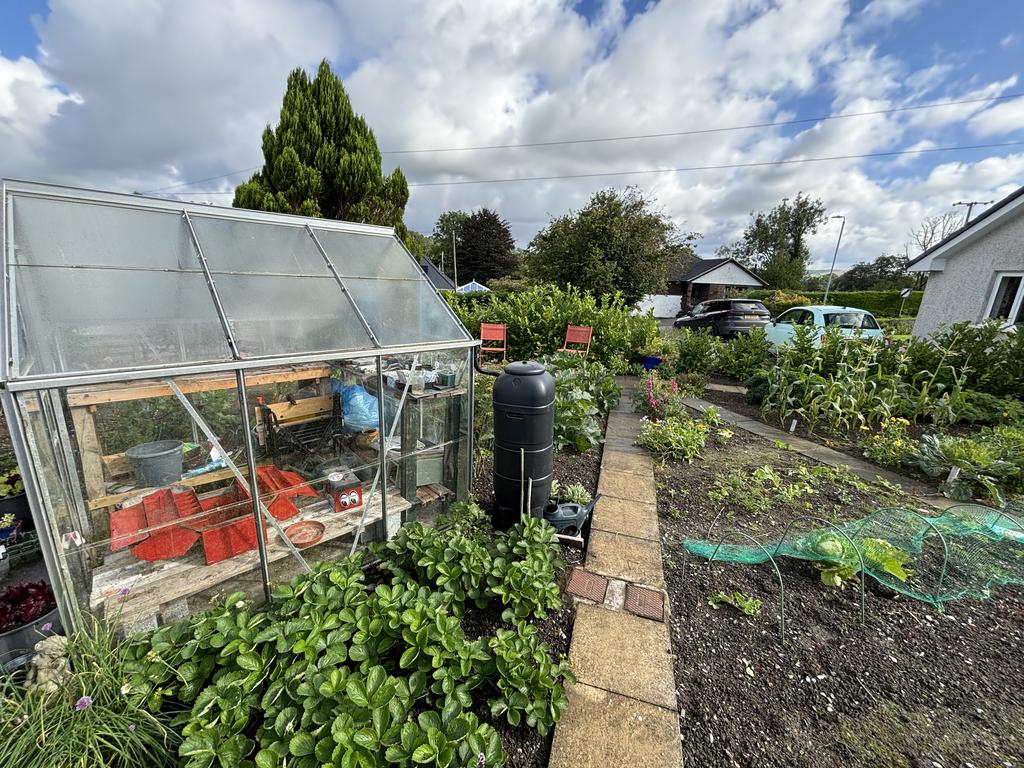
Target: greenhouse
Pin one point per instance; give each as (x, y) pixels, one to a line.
(207, 400)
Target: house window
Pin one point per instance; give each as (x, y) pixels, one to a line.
(1008, 298)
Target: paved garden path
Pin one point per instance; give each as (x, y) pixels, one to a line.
(622, 711)
(818, 452)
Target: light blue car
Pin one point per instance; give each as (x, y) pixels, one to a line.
(851, 321)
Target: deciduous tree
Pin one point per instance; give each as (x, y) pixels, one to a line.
(618, 242)
(774, 245)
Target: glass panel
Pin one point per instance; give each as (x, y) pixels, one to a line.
(64, 233)
(404, 312)
(166, 523)
(428, 459)
(62, 511)
(245, 246)
(1006, 293)
(360, 255)
(289, 315)
(97, 319)
(315, 431)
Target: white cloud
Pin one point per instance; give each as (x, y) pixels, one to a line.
(880, 12)
(171, 91)
(1005, 117)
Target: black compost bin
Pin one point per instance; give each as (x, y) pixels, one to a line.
(524, 422)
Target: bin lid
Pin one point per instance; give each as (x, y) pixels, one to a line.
(525, 368)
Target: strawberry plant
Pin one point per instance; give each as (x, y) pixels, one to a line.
(334, 674)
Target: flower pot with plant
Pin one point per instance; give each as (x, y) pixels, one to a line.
(12, 499)
(650, 355)
(28, 612)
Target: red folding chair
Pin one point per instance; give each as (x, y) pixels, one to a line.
(578, 335)
(493, 332)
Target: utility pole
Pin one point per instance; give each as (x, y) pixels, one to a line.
(970, 207)
(455, 262)
(828, 285)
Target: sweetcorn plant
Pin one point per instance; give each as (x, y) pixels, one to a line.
(850, 383)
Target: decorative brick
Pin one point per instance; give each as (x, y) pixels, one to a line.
(648, 603)
(587, 585)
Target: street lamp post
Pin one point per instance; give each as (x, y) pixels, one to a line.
(828, 285)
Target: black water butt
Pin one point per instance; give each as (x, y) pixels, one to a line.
(524, 422)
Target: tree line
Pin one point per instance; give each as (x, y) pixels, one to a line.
(322, 159)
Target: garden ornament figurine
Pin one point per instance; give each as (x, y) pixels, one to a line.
(49, 668)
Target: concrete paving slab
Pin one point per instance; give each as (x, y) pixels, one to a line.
(618, 461)
(624, 444)
(627, 485)
(630, 518)
(623, 425)
(625, 557)
(604, 730)
(624, 654)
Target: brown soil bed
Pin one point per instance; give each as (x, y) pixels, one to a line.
(846, 443)
(525, 747)
(912, 687)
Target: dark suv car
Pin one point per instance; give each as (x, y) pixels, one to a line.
(726, 317)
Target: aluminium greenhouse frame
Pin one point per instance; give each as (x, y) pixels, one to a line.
(16, 384)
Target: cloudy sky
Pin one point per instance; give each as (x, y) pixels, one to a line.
(160, 96)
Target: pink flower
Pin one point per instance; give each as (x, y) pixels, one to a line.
(83, 703)
(123, 592)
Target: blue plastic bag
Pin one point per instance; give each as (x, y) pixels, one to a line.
(359, 407)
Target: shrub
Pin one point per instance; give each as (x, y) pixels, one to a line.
(536, 320)
(778, 302)
(878, 303)
(583, 390)
(696, 351)
(570, 370)
(982, 408)
(743, 356)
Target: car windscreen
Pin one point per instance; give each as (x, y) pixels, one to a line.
(855, 320)
(748, 306)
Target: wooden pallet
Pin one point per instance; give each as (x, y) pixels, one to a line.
(128, 590)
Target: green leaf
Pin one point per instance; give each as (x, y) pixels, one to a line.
(356, 690)
(267, 759)
(301, 744)
(251, 662)
(424, 753)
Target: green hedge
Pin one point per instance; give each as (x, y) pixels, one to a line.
(878, 303)
(536, 320)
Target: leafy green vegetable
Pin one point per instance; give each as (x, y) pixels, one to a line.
(748, 606)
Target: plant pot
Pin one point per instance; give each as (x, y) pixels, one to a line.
(23, 639)
(18, 506)
(650, 362)
(9, 532)
(157, 463)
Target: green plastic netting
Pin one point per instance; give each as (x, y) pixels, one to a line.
(964, 552)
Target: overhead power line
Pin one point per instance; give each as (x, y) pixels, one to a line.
(681, 169)
(699, 131)
(690, 132)
(200, 181)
